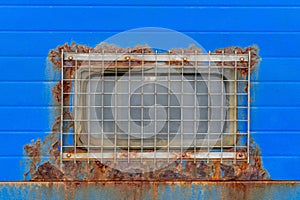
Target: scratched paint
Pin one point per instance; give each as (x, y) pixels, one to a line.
(49, 170)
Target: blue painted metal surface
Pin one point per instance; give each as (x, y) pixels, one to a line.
(29, 29)
(151, 190)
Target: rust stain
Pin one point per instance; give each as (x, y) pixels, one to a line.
(246, 89)
(153, 189)
(95, 170)
(47, 171)
(33, 151)
(217, 170)
(242, 66)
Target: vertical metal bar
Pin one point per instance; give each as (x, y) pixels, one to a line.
(61, 109)
(129, 117)
(182, 117)
(209, 108)
(102, 106)
(235, 106)
(222, 108)
(155, 109)
(169, 105)
(248, 107)
(89, 108)
(195, 109)
(116, 108)
(142, 107)
(75, 136)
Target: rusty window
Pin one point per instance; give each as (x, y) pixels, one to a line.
(157, 106)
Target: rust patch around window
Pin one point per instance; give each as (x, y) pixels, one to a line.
(50, 170)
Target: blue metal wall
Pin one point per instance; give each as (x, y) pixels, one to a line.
(30, 28)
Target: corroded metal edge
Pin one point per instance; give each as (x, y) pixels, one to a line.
(151, 190)
(201, 182)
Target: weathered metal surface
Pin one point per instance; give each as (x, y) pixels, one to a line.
(242, 66)
(95, 170)
(155, 57)
(151, 190)
(152, 155)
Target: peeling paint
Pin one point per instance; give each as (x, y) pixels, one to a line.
(95, 170)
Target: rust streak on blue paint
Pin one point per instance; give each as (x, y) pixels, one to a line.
(49, 170)
(152, 190)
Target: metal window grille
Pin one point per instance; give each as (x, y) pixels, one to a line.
(137, 106)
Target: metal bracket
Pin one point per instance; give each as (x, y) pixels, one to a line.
(156, 57)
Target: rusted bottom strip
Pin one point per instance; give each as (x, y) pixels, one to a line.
(151, 190)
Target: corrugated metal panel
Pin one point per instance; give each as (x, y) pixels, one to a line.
(29, 29)
(157, 3)
(231, 19)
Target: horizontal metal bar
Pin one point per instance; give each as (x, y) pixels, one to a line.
(223, 133)
(145, 80)
(154, 155)
(175, 93)
(181, 107)
(177, 147)
(152, 120)
(155, 57)
(174, 66)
